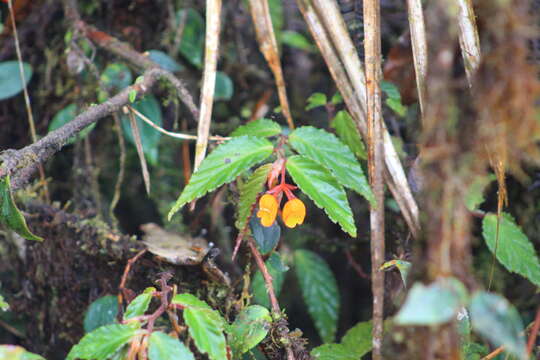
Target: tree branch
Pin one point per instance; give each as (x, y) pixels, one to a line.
(125, 51)
(21, 164)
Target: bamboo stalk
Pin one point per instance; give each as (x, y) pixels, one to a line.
(331, 35)
(213, 24)
(468, 38)
(419, 47)
(260, 12)
(372, 47)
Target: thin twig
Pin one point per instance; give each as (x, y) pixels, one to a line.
(372, 45)
(534, 333)
(213, 26)
(173, 134)
(125, 51)
(121, 170)
(31, 122)
(140, 150)
(22, 163)
(356, 266)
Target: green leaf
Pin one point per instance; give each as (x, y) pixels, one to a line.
(103, 342)
(10, 78)
(497, 320)
(277, 271)
(514, 251)
(320, 292)
(164, 61)
(297, 40)
(222, 166)
(357, 340)
(149, 107)
(437, 303)
(139, 305)
(192, 42)
(224, 87)
(336, 99)
(115, 77)
(164, 347)
(132, 96)
(322, 187)
(260, 127)
(333, 352)
(330, 152)
(348, 133)
(63, 117)
(266, 237)
(10, 216)
(249, 192)
(12, 352)
(101, 312)
(394, 98)
(4, 306)
(464, 325)
(189, 300)
(249, 328)
(315, 100)
(473, 351)
(475, 194)
(206, 329)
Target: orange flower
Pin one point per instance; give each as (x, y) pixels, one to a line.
(268, 207)
(293, 213)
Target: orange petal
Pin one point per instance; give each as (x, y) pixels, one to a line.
(268, 207)
(294, 213)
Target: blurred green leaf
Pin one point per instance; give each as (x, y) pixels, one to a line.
(103, 342)
(296, 40)
(327, 150)
(63, 117)
(514, 251)
(261, 127)
(4, 306)
(12, 352)
(497, 320)
(336, 99)
(222, 166)
(277, 271)
(115, 77)
(139, 305)
(224, 87)
(249, 191)
(434, 304)
(357, 340)
(322, 187)
(475, 194)
(394, 98)
(249, 328)
(315, 100)
(101, 311)
(333, 352)
(164, 60)
(473, 351)
(10, 216)
(149, 107)
(10, 78)
(164, 347)
(348, 133)
(192, 42)
(320, 292)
